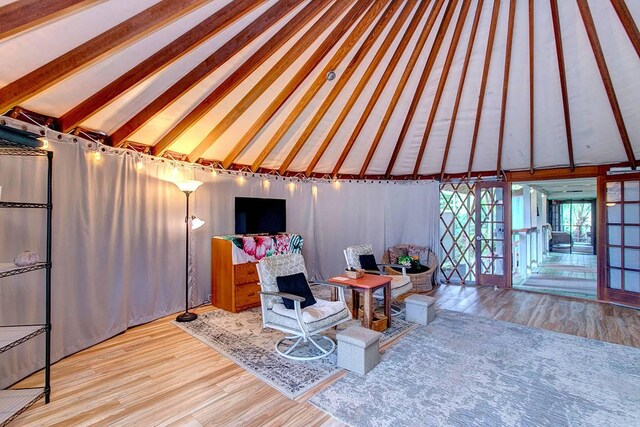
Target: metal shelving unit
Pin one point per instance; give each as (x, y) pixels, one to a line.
(13, 402)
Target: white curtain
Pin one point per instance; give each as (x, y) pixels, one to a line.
(118, 238)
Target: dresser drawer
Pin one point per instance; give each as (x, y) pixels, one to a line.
(247, 294)
(245, 273)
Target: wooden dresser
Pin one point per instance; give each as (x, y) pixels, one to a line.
(233, 287)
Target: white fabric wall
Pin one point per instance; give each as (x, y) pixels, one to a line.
(118, 242)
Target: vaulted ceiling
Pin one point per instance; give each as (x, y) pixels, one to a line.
(348, 87)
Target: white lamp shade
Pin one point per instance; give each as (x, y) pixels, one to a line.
(196, 223)
(189, 186)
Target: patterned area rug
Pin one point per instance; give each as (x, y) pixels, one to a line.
(464, 370)
(240, 337)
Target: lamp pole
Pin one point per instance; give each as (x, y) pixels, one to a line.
(187, 187)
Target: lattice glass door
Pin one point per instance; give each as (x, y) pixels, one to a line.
(457, 231)
(619, 239)
(493, 234)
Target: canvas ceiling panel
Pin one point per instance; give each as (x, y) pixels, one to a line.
(434, 152)
(59, 36)
(382, 156)
(486, 155)
(458, 159)
(550, 142)
(190, 139)
(358, 152)
(595, 135)
(228, 140)
(624, 66)
(515, 154)
(408, 154)
(137, 98)
(165, 120)
(309, 150)
(63, 96)
(260, 142)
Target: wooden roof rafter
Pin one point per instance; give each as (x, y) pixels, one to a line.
(457, 33)
(424, 34)
(592, 34)
(505, 82)
(483, 84)
(330, 99)
(308, 96)
(285, 62)
(209, 65)
(320, 79)
(21, 15)
(557, 32)
(463, 76)
(424, 76)
(118, 37)
(628, 23)
(187, 42)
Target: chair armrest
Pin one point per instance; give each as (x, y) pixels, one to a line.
(403, 267)
(378, 272)
(284, 295)
(335, 285)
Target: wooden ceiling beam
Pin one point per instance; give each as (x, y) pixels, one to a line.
(117, 37)
(164, 57)
(457, 32)
(557, 32)
(302, 74)
(270, 47)
(505, 82)
(359, 56)
(531, 82)
(483, 84)
(419, 90)
(589, 25)
(463, 75)
(298, 49)
(371, 68)
(415, 54)
(388, 71)
(335, 92)
(22, 15)
(269, 18)
(628, 23)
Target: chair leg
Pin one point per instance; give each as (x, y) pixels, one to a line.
(286, 353)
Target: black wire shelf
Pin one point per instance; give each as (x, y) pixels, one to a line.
(13, 336)
(12, 271)
(18, 401)
(24, 205)
(9, 148)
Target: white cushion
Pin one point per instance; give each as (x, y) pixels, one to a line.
(398, 281)
(314, 313)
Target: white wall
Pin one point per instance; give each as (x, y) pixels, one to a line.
(118, 238)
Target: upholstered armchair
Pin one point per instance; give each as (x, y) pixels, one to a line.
(400, 284)
(303, 325)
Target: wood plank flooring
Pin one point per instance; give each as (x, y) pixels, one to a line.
(155, 374)
(564, 274)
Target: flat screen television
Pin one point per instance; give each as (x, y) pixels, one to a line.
(255, 215)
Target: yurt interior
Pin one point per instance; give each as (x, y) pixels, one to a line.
(319, 213)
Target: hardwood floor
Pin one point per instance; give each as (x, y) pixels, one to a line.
(155, 374)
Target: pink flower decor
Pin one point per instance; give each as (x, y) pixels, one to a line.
(282, 244)
(257, 246)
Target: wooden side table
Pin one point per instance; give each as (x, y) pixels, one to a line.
(367, 285)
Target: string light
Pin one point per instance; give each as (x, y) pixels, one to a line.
(139, 164)
(45, 142)
(175, 170)
(97, 156)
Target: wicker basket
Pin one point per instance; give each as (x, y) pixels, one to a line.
(354, 274)
(378, 323)
(422, 282)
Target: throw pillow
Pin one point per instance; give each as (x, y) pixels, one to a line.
(295, 284)
(368, 262)
(395, 252)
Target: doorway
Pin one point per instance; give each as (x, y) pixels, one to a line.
(554, 239)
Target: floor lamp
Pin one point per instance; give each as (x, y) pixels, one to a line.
(187, 187)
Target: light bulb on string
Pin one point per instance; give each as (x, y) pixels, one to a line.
(175, 170)
(97, 156)
(139, 164)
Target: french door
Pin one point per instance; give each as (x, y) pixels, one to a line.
(619, 239)
(493, 233)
